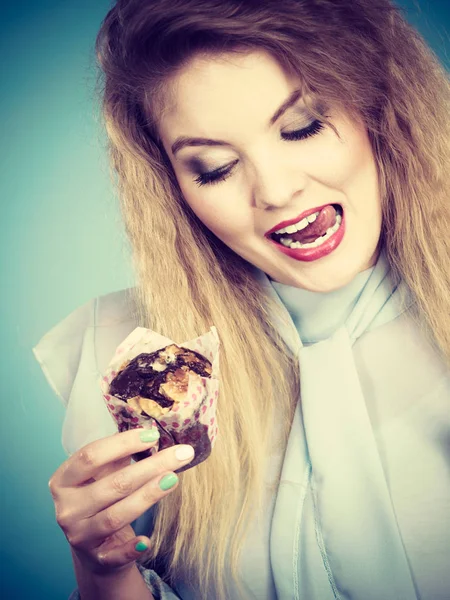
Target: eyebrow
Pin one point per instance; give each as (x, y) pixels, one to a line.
(182, 141)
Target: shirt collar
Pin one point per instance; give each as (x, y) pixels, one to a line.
(317, 315)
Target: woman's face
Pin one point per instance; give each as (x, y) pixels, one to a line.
(224, 117)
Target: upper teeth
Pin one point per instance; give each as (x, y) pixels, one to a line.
(300, 225)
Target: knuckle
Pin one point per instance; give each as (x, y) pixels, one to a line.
(122, 483)
(130, 553)
(148, 494)
(112, 521)
(53, 487)
(102, 559)
(63, 518)
(87, 457)
(74, 539)
(124, 441)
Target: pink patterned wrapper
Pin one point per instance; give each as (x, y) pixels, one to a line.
(192, 421)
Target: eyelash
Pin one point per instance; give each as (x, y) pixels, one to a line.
(221, 174)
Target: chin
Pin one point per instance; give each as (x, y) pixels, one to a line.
(325, 287)
(328, 278)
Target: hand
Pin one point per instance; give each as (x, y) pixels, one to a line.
(98, 493)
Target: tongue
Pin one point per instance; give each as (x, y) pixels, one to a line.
(325, 219)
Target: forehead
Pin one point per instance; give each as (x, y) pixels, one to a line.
(210, 90)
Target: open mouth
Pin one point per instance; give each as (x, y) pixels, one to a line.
(313, 230)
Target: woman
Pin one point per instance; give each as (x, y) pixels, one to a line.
(282, 172)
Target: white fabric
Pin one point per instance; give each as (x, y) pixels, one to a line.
(367, 524)
(363, 507)
(74, 353)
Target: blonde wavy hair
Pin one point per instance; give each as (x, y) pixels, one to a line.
(358, 54)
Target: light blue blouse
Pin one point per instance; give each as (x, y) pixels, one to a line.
(362, 510)
(317, 315)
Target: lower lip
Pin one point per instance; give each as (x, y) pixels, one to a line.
(310, 254)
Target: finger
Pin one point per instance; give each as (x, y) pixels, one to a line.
(109, 521)
(123, 555)
(89, 460)
(112, 467)
(120, 484)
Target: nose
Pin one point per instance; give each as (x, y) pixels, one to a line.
(276, 183)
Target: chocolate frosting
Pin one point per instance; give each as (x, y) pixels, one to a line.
(144, 375)
(139, 378)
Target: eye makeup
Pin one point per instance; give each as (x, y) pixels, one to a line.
(215, 176)
(301, 134)
(222, 173)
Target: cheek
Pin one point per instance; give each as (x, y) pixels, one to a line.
(347, 165)
(224, 213)
(363, 176)
(342, 162)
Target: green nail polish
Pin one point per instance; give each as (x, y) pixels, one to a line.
(168, 481)
(149, 435)
(141, 546)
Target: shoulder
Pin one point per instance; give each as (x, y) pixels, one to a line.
(115, 307)
(75, 352)
(103, 321)
(114, 320)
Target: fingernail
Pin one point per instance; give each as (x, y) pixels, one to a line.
(141, 546)
(149, 435)
(184, 452)
(168, 481)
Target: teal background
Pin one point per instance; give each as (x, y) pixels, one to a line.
(62, 243)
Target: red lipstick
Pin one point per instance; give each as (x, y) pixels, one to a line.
(309, 254)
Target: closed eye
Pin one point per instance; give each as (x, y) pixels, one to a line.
(301, 134)
(222, 173)
(215, 176)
